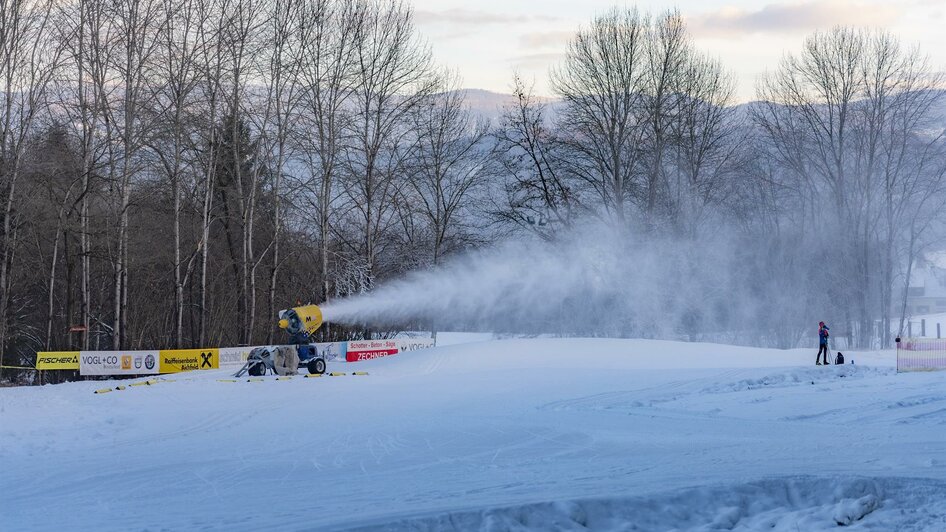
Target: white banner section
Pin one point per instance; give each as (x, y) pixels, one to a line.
(234, 356)
(351, 351)
(359, 350)
(118, 362)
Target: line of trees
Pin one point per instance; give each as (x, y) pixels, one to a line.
(827, 189)
(175, 171)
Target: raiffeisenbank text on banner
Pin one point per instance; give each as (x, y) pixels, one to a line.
(178, 360)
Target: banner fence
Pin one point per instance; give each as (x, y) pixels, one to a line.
(921, 354)
(154, 362)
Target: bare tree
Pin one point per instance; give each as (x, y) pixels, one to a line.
(602, 87)
(326, 74)
(902, 97)
(174, 102)
(85, 94)
(52, 175)
(242, 50)
(841, 118)
(669, 57)
(210, 64)
(706, 138)
(283, 92)
(447, 165)
(535, 188)
(136, 24)
(393, 75)
(646, 119)
(29, 57)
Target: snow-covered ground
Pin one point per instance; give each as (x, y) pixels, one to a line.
(541, 434)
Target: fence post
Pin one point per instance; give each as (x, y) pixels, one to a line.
(937, 331)
(923, 327)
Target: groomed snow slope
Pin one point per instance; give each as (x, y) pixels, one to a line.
(545, 434)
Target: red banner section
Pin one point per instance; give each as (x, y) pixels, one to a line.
(368, 349)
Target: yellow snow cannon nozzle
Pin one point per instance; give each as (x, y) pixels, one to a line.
(307, 319)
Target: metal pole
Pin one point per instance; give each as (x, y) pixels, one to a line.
(923, 327)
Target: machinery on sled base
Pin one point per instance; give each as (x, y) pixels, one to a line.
(300, 323)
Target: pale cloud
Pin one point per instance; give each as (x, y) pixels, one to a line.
(488, 39)
(471, 17)
(532, 61)
(797, 17)
(546, 39)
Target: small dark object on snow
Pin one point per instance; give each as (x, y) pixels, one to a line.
(839, 359)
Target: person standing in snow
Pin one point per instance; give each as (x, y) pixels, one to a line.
(822, 344)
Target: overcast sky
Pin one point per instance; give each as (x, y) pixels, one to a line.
(485, 41)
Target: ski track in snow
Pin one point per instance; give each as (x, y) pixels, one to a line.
(542, 434)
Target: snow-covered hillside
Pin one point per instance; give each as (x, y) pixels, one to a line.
(542, 434)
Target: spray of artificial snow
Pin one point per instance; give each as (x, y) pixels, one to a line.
(588, 281)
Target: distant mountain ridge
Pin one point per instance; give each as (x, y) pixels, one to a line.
(488, 105)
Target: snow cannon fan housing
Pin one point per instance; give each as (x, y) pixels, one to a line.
(301, 322)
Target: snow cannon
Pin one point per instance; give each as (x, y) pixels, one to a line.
(301, 322)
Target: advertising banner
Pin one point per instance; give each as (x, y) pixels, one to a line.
(118, 362)
(332, 350)
(233, 356)
(236, 356)
(413, 344)
(178, 360)
(57, 360)
(359, 350)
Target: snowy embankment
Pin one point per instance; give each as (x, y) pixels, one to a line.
(567, 434)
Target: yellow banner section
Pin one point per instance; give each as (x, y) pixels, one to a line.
(57, 360)
(178, 360)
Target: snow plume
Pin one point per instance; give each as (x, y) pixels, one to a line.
(590, 281)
